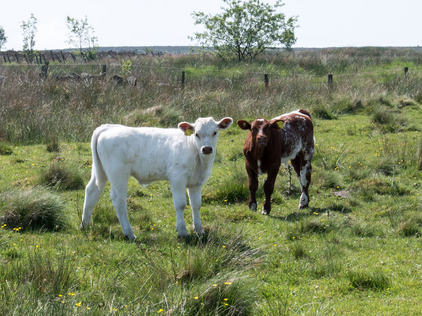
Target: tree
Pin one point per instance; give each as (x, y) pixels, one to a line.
(29, 30)
(82, 35)
(245, 29)
(3, 38)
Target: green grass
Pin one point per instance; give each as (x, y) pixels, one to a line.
(358, 255)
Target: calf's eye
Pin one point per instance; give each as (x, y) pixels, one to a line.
(215, 133)
(196, 134)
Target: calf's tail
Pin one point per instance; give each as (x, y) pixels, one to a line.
(97, 168)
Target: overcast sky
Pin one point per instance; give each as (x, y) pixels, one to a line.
(323, 23)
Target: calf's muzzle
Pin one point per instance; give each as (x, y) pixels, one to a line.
(206, 150)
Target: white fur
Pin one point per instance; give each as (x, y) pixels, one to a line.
(259, 167)
(150, 154)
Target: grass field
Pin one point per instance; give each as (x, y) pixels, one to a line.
(355, 250)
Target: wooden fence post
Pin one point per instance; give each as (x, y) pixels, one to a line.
(17, 57)
(8, 58)
(183, 80)
(52, 55)
(266, 81)
(63, 57)
(44, 70)
(330, 79)
(4, 57)
(406, 72)
(104, 70)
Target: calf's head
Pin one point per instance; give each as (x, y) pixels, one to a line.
(205, 132)
(261, 130)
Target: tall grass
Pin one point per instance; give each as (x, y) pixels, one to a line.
(212, 89)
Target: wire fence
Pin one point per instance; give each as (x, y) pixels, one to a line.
(180, 76)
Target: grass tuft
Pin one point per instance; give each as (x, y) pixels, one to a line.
(61, 178)
(5, 149)
(32, 209)
(52, 144)
(365, 280)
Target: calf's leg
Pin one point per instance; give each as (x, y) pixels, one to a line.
(179, 202)
(303, 170)
(118, 197)
(268, 190)
(253, 187)
(195, 202)
(92, 194)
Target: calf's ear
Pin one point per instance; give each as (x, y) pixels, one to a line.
(225, 123)
(186, 128)
(244, 125)
(277, 123)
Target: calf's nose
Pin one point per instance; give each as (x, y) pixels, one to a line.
(262, 139)
(206, 150)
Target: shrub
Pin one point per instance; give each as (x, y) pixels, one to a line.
(32, 208)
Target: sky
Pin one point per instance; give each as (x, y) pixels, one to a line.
(322, 23)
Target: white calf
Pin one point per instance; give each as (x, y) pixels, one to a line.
(150, 154)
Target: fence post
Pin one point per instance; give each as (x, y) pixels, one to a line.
(52, 55)
(17, 57)
(183, 80)
(266, 80)
(63, 57)
(44, 70)
(8, 58)
(4, 57)
(104, 70)
(406, 72)
(330, 79)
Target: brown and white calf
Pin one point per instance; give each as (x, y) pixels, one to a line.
(269, 143)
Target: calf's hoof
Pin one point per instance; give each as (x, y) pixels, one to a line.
(252, 207)
(131, 238)
(182, 234)
(265, 212)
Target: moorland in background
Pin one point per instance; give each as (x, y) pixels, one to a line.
(355, 250)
